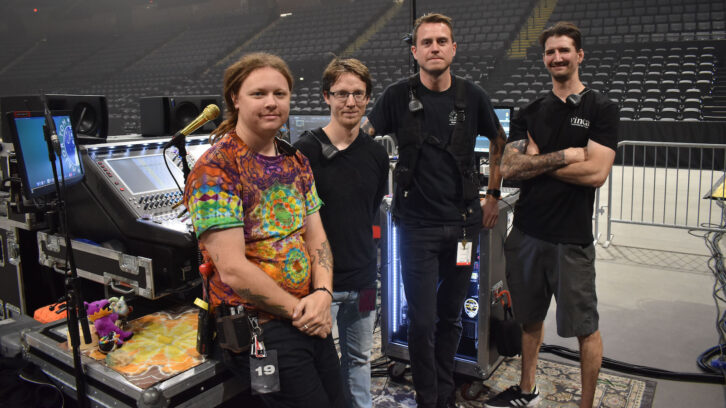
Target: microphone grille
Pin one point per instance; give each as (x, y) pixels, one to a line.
(211, 112)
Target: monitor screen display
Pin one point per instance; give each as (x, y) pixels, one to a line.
(504, 114)
(31, 150)
(145, 174)
(301, 123)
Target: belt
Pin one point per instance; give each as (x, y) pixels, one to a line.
(240, 309)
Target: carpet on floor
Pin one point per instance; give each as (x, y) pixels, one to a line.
(559, 385)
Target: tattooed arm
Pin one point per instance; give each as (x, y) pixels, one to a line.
(518, 162)
(227, 249)
(593, 171)
(312, 314)
(490, 205)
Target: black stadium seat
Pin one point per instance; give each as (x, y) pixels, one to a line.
(627, 113)
(668, 114)
(691, 114)
(646, 114)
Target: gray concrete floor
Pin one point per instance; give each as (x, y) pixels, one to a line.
(656, 309)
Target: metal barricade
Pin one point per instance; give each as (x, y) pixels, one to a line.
(674, 185)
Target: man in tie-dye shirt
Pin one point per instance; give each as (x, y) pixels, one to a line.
(269, 197)
(254, 208)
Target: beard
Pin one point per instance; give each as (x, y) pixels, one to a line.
(562, 76)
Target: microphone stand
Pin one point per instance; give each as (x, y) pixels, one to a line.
(74, 300)
(180, 142)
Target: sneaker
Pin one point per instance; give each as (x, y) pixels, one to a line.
(514, 397)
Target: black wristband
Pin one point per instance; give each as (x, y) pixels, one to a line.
(494, 193)
(323, 289)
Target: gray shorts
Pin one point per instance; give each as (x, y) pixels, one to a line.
(538, 269)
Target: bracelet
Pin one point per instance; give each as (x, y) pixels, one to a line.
(494, 193)
(323, 289)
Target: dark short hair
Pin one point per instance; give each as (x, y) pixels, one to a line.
(431, 18)
(559, 29)
(340, 66)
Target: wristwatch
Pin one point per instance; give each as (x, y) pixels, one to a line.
(494, 193)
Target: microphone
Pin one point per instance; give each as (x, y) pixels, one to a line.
(209, 113)
(55, 142)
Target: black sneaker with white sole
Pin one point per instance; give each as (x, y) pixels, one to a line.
(514, 397)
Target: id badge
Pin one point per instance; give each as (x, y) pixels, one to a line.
(463, 253)
(264, 375)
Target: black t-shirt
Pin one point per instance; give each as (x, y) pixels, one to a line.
(351, 186)
(548, 208)
(436, 191)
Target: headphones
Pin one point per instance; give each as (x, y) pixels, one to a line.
(575, 100)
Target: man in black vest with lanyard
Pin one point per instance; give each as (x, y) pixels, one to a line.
(562, 147)
(436, 117)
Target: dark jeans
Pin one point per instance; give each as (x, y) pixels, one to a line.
(429, 271)
(309, 368)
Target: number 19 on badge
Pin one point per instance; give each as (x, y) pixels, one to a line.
(268, 369)
(264, 377)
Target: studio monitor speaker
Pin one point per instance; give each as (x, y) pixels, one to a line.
(89, 113)
(165, 115)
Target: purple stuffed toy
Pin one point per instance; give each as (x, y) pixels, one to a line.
(104, 313)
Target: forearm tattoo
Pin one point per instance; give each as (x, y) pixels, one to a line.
(264, 303)
(521, 166)
(496, 147)
(325, 256)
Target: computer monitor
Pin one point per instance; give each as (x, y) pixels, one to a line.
(504, 114)
(31, 151)
(301, 123)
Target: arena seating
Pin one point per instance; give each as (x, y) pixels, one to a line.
(663, 72)
(658, 59)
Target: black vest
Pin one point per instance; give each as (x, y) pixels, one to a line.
(412, 135)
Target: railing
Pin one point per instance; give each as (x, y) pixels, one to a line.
(675, 185)
(392, 148)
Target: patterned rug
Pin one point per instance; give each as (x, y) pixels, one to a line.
(559, 385)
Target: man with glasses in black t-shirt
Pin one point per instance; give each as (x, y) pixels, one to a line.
(351, 177)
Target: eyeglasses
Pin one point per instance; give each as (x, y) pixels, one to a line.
(343, 95)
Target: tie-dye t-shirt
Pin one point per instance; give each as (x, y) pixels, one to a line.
(269, 197)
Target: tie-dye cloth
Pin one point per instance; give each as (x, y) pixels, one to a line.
(232, 186)
(164, 345)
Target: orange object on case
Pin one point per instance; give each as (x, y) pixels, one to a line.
(51, 313)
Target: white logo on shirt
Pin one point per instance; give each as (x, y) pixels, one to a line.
(583, 123)
(452, 118)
